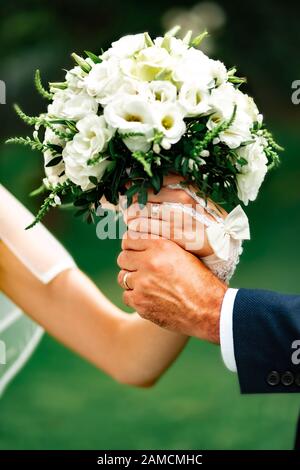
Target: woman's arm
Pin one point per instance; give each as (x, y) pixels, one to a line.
(74, 311)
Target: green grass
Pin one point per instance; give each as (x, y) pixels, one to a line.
(60, 402)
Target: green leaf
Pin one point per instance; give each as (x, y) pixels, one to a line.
(148, 40)
(172, 32)
(156, 183)
(96, 59)
(142, 197)
(237, 80)
(80, 212)
(36, 192)
(58, 85)
(54, 148)
(132, 190)
(93, 180)
(55, 161)
(197, 127)
(85, 66)
(110, 167)
(141, 158)
(90, 218)
(198, 39)
(185, 166)
(80, 202)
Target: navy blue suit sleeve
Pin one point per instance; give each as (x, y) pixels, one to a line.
(266, 333)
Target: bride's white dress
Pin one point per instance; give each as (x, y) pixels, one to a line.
(45, 257)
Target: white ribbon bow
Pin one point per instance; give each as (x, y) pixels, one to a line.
(236, 225)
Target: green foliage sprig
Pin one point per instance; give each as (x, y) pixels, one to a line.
(35, 144)
(60, 189)
(39, 86)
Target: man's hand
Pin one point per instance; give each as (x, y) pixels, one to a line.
(170, 287)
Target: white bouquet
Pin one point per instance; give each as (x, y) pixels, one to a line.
(144, 109)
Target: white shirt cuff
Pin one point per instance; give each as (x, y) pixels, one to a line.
(226, 330)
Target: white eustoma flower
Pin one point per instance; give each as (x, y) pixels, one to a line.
(176, 47)
(75, 79)
(127, 46)
(147, 64)
(93, 136)
(132, 114)
(253, 173)
(195, 67)
(88, 143)
(248, 105)
(218, 71)
(194, 100)
(169, 120)
(223, 100)
(73, 106)
(55, 108)
(104, 80)
(77, 169)
(162, 90)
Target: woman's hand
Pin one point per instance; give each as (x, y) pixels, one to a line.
(170, 221)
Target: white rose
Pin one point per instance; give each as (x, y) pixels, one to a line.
(194, 100)
(131, 115)
(127, 46)
(253, 173)
(72, 106)
(169, 120)
(223, 100)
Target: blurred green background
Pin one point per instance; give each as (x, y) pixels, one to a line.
(59, 401)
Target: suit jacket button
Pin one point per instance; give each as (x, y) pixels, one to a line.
(297, 379)
(273, 378)
(287, 378)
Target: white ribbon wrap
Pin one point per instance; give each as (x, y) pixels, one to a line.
(236, 226)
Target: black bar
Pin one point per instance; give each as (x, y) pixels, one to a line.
(140, 459)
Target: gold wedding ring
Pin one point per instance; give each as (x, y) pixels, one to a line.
(125, 284)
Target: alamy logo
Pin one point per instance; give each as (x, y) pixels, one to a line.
(296, 354)
(296, 94)
(2, 92)
(2, 353)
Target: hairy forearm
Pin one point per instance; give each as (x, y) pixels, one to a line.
(75, 312)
